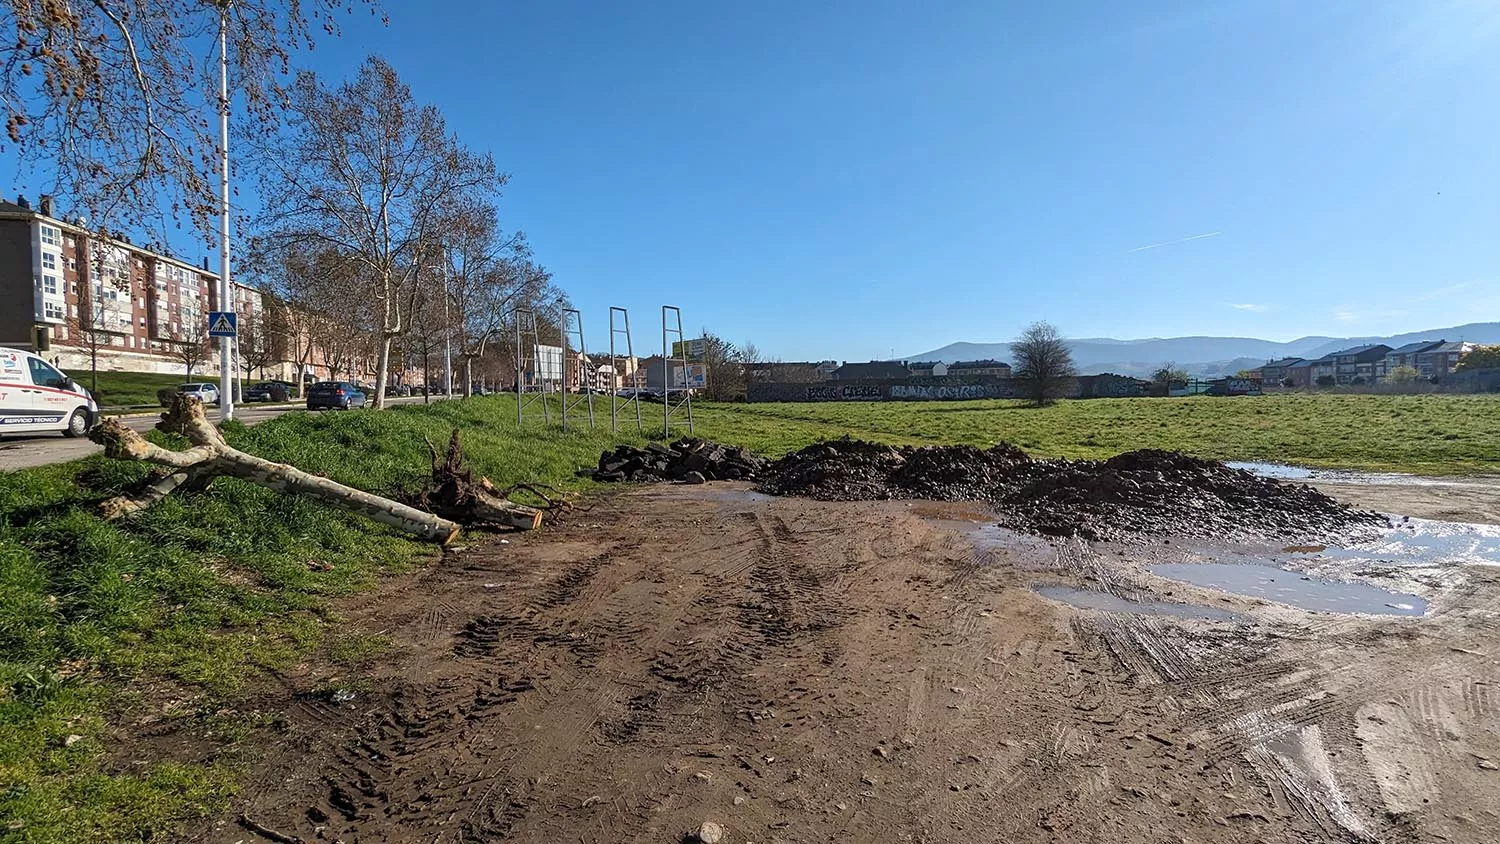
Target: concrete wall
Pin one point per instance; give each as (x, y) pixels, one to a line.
(17, 284)
(910, 389)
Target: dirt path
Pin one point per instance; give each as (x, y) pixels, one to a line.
(1475, 500)
(801, 671)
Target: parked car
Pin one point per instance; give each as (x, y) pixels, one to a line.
(206, 392)
(340, 395)
(398, 390)
(39, 397)
(478, 389)
(269, 391)
(642, 394)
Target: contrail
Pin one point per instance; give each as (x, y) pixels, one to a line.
(1170, 242)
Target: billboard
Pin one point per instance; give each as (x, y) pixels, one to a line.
(694, 348)
(695, 378)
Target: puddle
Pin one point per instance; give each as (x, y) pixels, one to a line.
(1286, 472)
(1279, 471)
(1423, 542)
(1023, 551)
(1289, 587)
(1090, 600)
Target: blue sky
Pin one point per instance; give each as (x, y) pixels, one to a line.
(856, 179)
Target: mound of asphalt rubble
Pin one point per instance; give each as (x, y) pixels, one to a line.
(1139, 492)
(687, 460)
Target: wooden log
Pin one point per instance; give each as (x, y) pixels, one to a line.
(210, 456)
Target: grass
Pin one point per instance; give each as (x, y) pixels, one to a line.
(1437, 434)
(119, 389)
(172, 614)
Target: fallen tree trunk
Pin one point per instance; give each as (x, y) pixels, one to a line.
(211, 457)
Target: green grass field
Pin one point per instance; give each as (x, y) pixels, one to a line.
(174, 613)
(121, 389)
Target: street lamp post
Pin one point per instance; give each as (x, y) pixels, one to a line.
(447, 333)
(226, 300)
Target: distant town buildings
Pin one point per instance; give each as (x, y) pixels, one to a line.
(1367, 364)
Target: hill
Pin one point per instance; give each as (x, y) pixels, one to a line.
(1210, 356)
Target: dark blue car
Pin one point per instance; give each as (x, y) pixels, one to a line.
(339, 395)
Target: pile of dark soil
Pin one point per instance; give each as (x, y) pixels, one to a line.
(1139, 492)
(688, 460)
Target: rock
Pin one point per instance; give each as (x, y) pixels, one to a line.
(703, 775)
(739, 800)
(710, 833)
(882, 752)
(693, 478)
(1483, 763)
(658, 462)
(72, 740)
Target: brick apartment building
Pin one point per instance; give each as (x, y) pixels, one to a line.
(57, 275)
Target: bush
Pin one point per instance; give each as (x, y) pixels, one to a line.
(1325, 381)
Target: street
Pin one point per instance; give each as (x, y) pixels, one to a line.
(23, 451)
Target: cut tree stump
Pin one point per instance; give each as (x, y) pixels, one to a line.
(211, 457)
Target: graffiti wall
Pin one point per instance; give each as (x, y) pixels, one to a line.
(927, 389)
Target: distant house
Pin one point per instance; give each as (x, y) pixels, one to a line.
(826, 368)
(1358, 362)
(1404, 356)
(1300, 374)
(927, 369)
(881, 369)
(1440, 360)
(1276, 371)
(990, 368)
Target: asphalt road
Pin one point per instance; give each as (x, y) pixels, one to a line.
(23, 451)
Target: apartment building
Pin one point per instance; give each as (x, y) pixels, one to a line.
(83, 288)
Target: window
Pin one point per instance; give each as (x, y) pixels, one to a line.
(52, 310)
(43, 375)
(73, 263)
(49, 284)
(49, 261)
(51, 235)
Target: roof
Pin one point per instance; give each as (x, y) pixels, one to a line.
(1458, 346)
(1300, 364)
(1283, 363)
(1414, 348)
(873, 369)
(1360, 350)
(978, 364)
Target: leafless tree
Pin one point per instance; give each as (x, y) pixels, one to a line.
(725, 369)
(255, 348)
(191, 352)
(86, 329)
(1044, 364)
(364, 169)
(117, 98)
(485, 273)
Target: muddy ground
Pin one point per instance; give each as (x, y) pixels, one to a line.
(803, 671)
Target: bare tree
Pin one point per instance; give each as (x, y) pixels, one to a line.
(191, 352)
(486, 273)
(366, 170)
(724, 368)
(255, 347)
(114, 98)
(1169, 372)
(1044, 364)
(86, 329)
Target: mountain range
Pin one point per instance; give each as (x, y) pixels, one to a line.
(1204, 356)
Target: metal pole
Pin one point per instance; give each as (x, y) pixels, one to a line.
(226, 364)
(447, 331)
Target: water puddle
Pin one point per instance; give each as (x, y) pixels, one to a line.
(1286, 472)
(1292, 588)
(1089, 600)
(1418, 542)
(1272, 470)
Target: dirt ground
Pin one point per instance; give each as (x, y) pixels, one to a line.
(1474, 499)
(803, 671)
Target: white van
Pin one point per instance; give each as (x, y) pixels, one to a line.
(35, 396)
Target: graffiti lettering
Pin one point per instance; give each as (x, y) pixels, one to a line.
(847, 392)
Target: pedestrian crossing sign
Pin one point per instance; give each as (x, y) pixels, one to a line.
(222, 324)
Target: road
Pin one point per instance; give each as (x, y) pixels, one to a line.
(23, 451)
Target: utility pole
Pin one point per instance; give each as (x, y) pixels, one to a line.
(226, 299)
